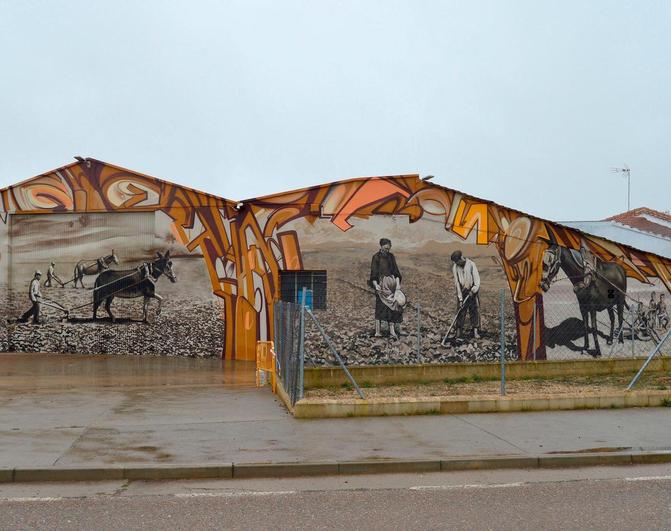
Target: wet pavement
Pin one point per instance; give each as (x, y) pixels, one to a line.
(50, 371)
(62, 410)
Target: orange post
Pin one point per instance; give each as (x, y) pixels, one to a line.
(265, 362)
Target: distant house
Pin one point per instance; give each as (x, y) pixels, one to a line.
(642, 228)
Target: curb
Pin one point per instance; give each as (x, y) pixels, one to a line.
(326, 376)
(375, 407)
(328, 468)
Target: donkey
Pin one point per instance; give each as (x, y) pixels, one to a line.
(606, 291)
(132, 283)
(93, 267)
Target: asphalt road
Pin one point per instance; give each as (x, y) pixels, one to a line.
(591, 498)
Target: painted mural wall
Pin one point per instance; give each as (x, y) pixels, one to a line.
(544, 269)
(387, 245)
(110, 236)
(76, 254)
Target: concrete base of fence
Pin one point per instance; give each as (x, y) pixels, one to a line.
(284, 396)
(315, 377)
(333, 408)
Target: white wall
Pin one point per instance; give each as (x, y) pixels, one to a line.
(626, 235)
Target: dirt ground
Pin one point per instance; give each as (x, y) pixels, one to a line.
(190, 324)
(470, 387)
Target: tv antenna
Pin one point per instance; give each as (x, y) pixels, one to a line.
(626, 172)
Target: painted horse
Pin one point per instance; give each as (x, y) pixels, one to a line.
(93, 267)
(607, 289)
(133, 283)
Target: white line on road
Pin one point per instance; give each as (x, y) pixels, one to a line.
(470, 486)
(649, 478)
(33, 499)
(243, 493)
(233, 494)
(525, 483)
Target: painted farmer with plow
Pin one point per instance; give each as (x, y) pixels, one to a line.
(35, 297)
(51, 276)
(385, 278)
(467, 284)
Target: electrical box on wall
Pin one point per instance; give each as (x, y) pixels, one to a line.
(293, 282)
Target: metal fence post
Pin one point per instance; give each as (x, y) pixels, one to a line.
(502, 332)
(334, 351)
(533, 339)
(419, 337)
(633, 332)
(648, 360)
(301, 345)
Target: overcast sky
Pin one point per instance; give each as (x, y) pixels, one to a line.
(526, 103)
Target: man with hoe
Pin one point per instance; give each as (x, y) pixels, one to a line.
(467, 284)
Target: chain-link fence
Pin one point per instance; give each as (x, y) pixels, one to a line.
(499, 340)
(567, 320)
(289, 360)
(429, 330)
(601, 314)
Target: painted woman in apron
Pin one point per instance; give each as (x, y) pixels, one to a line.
(385, 278)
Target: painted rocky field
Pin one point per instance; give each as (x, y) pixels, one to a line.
(190, 324)
(427, 282)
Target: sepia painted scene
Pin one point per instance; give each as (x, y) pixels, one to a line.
(433, 326)
(422, 252)
(157, 294)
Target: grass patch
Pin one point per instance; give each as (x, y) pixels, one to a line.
(475, 378)
(666, 402)
(347, 386)
(454, 381)
(367, 384)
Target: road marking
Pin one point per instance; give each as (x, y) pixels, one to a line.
(33, 499)
(471, 486)
(526, 483)
(233, 494)
(649, 478)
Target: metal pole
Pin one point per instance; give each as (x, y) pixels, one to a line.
(335, 354)
(301, 344)
(502, 332)
(534, 331)
(633, 333)
(419, 337)
(647, 361)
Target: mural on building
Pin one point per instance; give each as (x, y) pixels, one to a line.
(451, 255)
(69, 290)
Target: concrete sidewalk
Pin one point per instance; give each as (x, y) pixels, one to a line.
(62, 419)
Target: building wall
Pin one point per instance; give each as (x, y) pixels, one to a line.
(229, 259)
(83, 213)
(337, 227)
